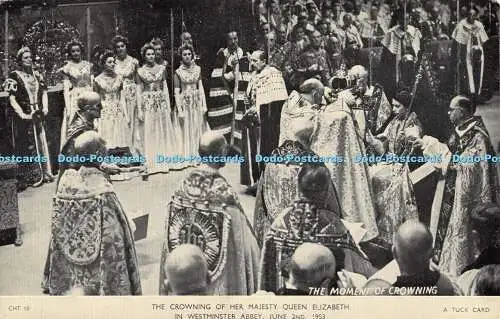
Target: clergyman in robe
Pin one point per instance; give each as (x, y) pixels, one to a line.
(401, 47)
(91, 244)
(205, 211)
(229, 80)
(470, 36)
(303, 103)
(89, 109)
(372, 109)
(465, 184)
(266, 93)
(412, 267)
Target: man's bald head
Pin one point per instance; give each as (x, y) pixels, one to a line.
(88, 98)
(412, 246)
(310, 85)
(357, 72)
(90, 143)
(186, 270)
(314, 88)
(89, 106)
(311, 264)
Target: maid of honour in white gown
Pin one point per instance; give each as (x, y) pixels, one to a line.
(190, 101)
(154, 123)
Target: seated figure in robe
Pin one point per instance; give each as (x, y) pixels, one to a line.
(394, 196)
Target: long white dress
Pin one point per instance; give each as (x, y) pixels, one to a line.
(127, 69)
(191, 106)
(159, 137)
(113, 124)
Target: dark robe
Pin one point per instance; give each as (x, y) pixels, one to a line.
(223, 116)
(392, 70)
(309, 57)
(9, 207)
(427, 279)
(444, 287)
(489, 256)
(469, 56)
(307, 221)
(27, 134)
(266, 92)
(432, 29)
(292, 292)
(434, 90)
(205, 211)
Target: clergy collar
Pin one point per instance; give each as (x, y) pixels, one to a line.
(264, 71)
(409, 30)
(469, 25)
(467, 126)
(83, 118)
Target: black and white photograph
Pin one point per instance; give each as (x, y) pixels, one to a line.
(250, 148)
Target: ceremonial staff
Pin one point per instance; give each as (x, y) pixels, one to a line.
(418, 76)
(38, 117)
(268, 22)
(457, 71)
(236, 72)
(172, 46)
(373, 32)
(489, 14)
(6, 43)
